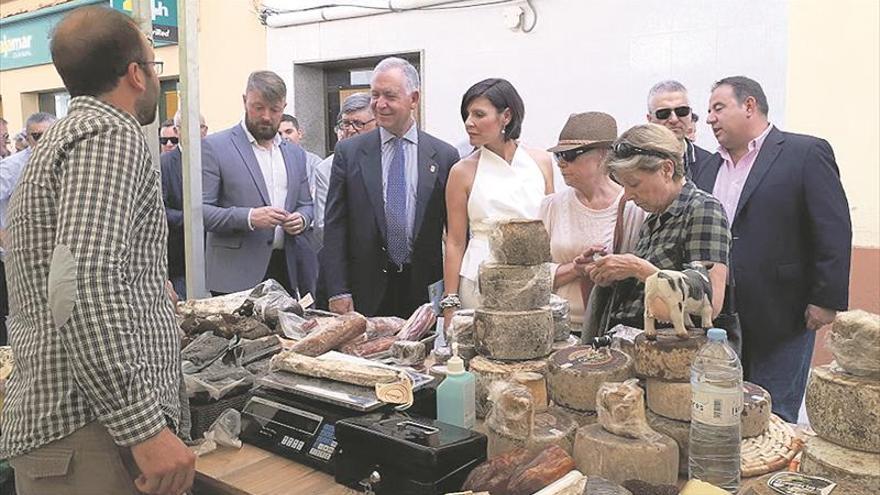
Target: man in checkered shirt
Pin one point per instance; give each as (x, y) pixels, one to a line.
(93, 401)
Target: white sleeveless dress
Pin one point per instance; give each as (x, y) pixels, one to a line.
(500, 191)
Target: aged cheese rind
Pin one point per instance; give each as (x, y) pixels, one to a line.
(854, 471)
(680, 431)
(854, 340)
(537, 385)
(668, 357)
(844, 409)
(553, 427)
(487, 371)
(757, 408)
(515, 287)
(513, 335)
(583, 418)
(599, 453)
(520, 242)
(576, 373)
(669, 399)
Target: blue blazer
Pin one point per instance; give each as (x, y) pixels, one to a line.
(791, 235)
(236, 257)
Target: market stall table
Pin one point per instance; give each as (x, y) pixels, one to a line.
(254, 471)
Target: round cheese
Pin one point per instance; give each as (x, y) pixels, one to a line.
(515, 287)
(583, 418)
(669, 399)
(576, 373)
(520, 242)
(537, 385)
(756, 411)
(680, 431)
(667, 357)
(854, 471)
(599, 453)
(513, 335)
(854, 340)
(844, 409)
(552, 427)
(487, 371)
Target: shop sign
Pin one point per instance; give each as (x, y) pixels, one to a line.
(164, 19)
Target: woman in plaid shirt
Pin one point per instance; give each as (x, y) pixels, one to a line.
(685, 228)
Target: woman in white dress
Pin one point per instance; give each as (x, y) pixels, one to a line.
(500, 180)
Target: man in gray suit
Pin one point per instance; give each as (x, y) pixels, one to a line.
(256, 198)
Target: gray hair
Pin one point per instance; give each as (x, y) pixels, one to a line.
(268, 84)
(652, 137)
(355, 103)
(668, 86)
(39, 118)
(410, 72)
(743, 87)
(177, 118)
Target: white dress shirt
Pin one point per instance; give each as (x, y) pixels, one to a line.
(274, 174)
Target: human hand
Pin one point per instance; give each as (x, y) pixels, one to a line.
(172, 294)
(589, 256)
(267, 217)
(167, 465)
(817, 317)
(616, 267)
(342, 305)
(294, 223)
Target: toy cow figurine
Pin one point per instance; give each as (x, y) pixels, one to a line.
(673, 296)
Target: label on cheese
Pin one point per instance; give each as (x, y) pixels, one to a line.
(717, 406)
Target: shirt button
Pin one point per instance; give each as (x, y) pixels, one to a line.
(384, 270)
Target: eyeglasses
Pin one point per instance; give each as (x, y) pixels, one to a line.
(665, 113)
(166, 140)
(158, 66)
(36, 135)
(356, 124)
(626, 150)
(571, 155)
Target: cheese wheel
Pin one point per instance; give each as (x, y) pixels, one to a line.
(599, 453)
(757, 408)
(844, 409)
(487, 371)
(515, 287)
(854, 471)
(520, 242)
(564, 344)
(669, 399)
(513, 335)
(552, 427)
(854, 340)
(680, 431)
(668, 357)
(576, 373)
(583, 418)
(537, 385)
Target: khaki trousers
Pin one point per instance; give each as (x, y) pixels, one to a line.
(87, 462)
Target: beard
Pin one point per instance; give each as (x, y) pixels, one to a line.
(261, 131)
(145, 107)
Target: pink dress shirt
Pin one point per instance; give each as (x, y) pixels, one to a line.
(732, 176)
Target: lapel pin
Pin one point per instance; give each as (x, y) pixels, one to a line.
(433, 168)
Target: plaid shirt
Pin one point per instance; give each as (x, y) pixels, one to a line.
(91, 327)
(693, 228)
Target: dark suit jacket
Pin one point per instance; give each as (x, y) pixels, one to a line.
(791, 237)
(236, 257)
(354, 258)
(694, 159)
(172, 196)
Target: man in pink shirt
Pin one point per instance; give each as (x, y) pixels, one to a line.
(791, 231)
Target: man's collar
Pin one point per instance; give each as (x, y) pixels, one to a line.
(276, 141)
(412, 135)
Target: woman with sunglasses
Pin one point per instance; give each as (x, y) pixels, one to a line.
(685, 228)
(500, 180)
(592, 211)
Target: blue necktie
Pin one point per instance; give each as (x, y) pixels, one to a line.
(395, 206)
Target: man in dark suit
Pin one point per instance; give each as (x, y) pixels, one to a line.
(668, 105)
(385, 205)
(256, 198)
(791, 237)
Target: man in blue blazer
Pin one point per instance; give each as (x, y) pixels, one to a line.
(256, 198)
(792, 237)
(386, 210)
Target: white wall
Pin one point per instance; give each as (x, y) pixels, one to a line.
(582, 55)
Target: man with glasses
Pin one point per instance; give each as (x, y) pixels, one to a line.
(668, 106)
(168, 136)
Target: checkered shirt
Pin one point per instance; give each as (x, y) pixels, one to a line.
(693, 228)
(90, 191)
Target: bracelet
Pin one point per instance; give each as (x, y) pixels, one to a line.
(450, 301)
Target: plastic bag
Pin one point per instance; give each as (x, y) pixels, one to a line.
(561, 309)
(419, 324)
(221, 377)
(407, 353)
(621, 410)
(461, 329)
(266, 301)
(202, 351)
(259, 349)
(294, 326)
(513, 410)
(854, 340)
(224, 431)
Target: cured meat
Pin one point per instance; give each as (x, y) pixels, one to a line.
(494, 475)
(372, 347)
(550, 465)
(383, 326)
(346, 327)
(419, 324)
(340, 371)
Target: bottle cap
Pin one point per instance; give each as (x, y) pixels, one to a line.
(717, 335)
(455, 365)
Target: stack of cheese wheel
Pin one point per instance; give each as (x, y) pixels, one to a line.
(843, 405)
(576, 373)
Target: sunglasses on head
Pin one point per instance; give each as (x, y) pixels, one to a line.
(166, 140)
(626, 150)
(571, 155)
(665, 113)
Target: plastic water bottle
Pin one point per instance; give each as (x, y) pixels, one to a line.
(456, 395)
(716, 406)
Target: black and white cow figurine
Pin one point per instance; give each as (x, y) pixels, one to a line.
(673, 296)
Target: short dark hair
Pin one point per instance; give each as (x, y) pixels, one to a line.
(290, 118)
(743, 87)
(268, 84)
(92, 48)
(167, 123)
(503, 96)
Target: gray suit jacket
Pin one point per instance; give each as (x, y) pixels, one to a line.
(236, 257)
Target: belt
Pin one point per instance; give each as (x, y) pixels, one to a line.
(392, 267)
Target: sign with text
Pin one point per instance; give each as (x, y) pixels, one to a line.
(164, 19)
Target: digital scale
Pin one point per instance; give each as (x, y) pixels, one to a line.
(295, 416)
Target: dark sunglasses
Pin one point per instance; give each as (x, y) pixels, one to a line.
(571, 155)
(626, 150)
(166, 140)
(665, 113)
(36, 135)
